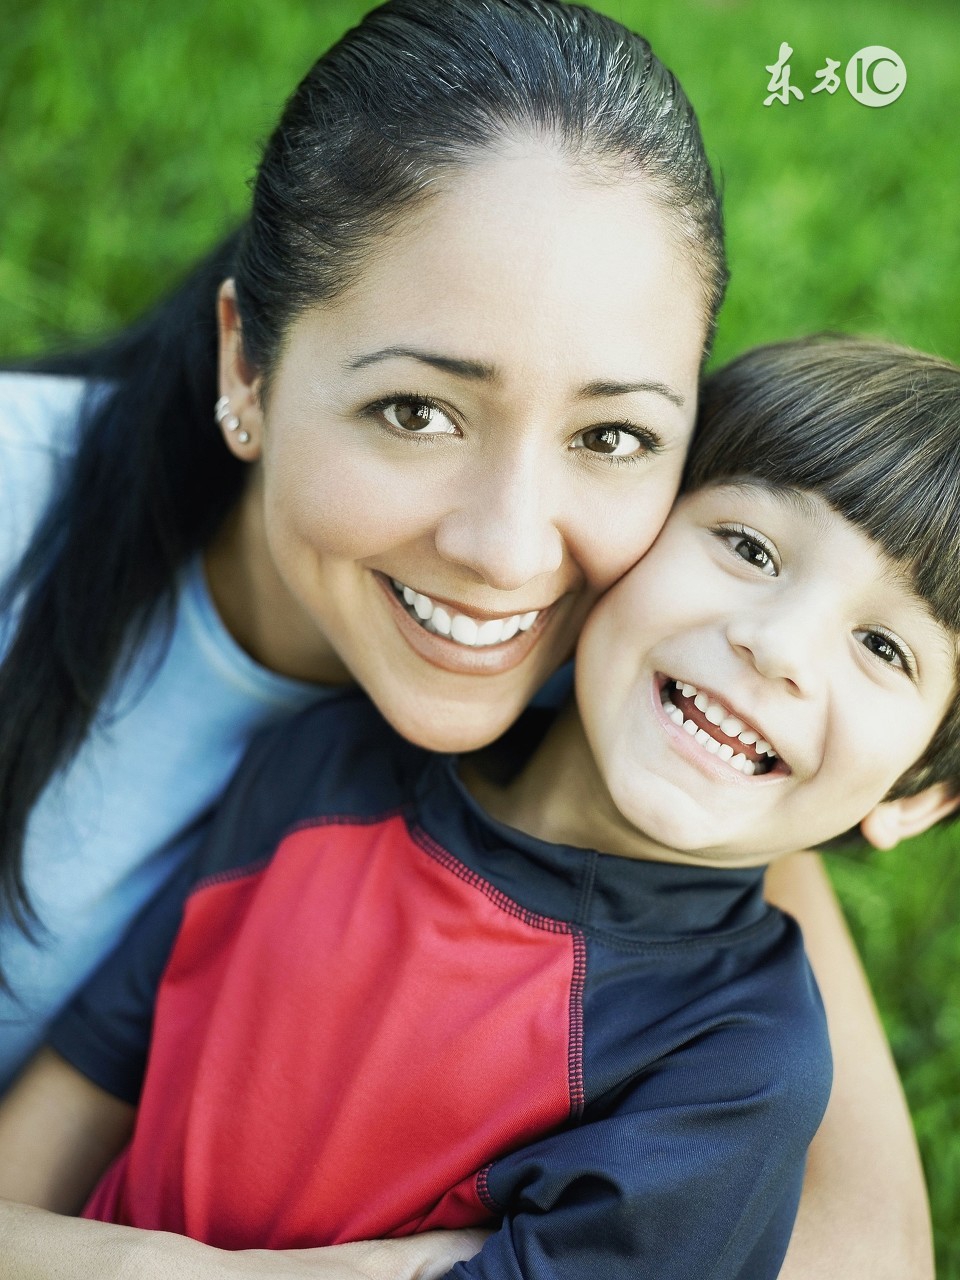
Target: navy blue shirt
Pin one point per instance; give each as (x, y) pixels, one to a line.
(379, 1011)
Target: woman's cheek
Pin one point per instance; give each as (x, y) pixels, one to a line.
(619, 531)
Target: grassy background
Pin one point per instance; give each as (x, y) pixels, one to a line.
(126, 141)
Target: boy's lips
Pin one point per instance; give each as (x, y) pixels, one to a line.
(720, 730)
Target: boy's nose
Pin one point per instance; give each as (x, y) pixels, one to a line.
(505, 527)
(780, 643)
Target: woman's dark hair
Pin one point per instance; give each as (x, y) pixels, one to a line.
(874, 430)
(418, 89)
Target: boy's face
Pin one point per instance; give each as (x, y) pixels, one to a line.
(760, 619)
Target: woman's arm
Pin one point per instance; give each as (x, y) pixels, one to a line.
(864, 1213)
(38, 1245)
(58, 1132)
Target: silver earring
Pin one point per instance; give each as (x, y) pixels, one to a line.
(221, 411)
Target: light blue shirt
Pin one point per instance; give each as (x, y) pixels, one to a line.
(109, 830)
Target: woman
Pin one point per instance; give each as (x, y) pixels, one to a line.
(459, 343)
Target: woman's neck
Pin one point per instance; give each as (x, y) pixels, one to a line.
(255, 604)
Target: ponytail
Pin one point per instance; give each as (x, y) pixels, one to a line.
(150, 484)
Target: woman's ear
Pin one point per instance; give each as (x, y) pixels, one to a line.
(238, 411)
(895, 820)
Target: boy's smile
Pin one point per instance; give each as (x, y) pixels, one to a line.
(758, 683)
(718, 729)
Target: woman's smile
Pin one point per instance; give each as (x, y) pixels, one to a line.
(454, 640)
(468, 628)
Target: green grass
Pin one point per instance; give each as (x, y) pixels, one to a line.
(128, 135)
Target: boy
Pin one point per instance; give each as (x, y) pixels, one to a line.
(408, 992)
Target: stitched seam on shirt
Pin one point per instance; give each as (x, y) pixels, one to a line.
(484, 1194)
(476, 881)
(575, 1049)
(305, 824)
(230, 873)
(726, 937)
(344, 820)
(586, 888)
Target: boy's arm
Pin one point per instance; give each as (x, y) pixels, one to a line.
(863, 1211)
(692, 1171)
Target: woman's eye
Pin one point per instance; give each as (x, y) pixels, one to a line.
(417, 417)
(616, 442)
(886, 649)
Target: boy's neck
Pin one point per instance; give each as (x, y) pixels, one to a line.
(559, 796)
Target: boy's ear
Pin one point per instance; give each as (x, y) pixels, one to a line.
(895, 820)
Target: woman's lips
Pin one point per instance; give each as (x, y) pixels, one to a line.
(491, 656)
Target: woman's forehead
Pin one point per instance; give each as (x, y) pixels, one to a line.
(516, 263)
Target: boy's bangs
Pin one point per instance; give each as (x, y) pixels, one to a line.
(871, 428)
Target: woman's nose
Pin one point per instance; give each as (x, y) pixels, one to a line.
(505, 526)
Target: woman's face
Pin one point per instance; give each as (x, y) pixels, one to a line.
(460, 453)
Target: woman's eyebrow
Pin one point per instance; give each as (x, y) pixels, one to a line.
(478, 371)
(603, 388)
(473, 369)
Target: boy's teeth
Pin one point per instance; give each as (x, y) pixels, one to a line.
(729, 725)
(459, 627)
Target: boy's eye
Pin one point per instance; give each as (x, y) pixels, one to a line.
(886, 649)
(617, 441)
(416, 417)
(750, 546)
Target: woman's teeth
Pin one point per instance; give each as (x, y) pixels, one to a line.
(761, 757)
(460, 627)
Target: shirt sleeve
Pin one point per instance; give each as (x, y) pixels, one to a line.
(694, 1172)
(105, 1030)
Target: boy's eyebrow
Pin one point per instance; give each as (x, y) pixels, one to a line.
(478, 371)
